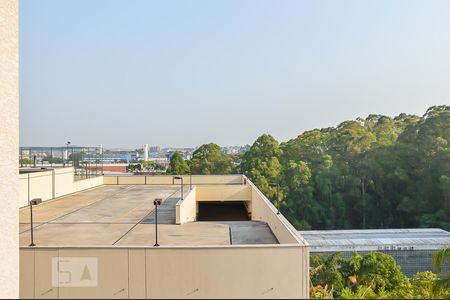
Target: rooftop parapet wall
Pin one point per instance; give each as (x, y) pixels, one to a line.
(269, 271)
(168, 179)
(53, 183)
(263, 210)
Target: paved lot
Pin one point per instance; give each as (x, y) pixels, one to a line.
(189, 234)
(123, 215)
(53, 209)
(250, 232)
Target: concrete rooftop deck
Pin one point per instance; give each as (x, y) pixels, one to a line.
(123, 215)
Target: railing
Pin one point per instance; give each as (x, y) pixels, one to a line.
(52, 183)
(80, 158)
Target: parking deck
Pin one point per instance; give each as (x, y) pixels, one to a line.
(123, 215)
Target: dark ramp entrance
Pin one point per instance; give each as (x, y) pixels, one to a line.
(222, 211)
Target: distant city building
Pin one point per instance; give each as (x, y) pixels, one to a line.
(108, 157)
(145, 152)
(185, 154)
(160, 160)
(233, 150)
(154, 149)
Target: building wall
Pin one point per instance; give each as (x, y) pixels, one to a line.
(172, 272)
(51, 184)
(115, 168)
(224, 193)
(9, 148)
(186, 210)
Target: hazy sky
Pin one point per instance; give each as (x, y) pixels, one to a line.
(184, 73)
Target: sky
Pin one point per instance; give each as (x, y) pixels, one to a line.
(185, 73)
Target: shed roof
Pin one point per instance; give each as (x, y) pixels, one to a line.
(376, 239)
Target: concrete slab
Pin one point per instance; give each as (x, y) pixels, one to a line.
(123, 215)
(190, 234)
(250, 232)
(166, 211)
(75, 234)
(51, 209)
(129, 207)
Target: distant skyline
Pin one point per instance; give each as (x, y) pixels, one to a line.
(185, 73)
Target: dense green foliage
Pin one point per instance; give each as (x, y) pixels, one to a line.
(377, 172)
(177, 165)
(262, 164)
(373, 276)
(208, 159)
(368, 173)
(151, 165)
(439, 259)
(26, 161)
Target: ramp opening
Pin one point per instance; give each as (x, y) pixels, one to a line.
(222, 211)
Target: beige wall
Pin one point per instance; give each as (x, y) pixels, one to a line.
(263, 210)
(9, 148)
(175, 272)
(41, 185)
(223, 193)
(35, 185)
(186, 210)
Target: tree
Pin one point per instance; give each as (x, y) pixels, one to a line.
(336, 177)
(398, 167)
(177, 165)
(153, 166)
(439, 259)
(373, 276)
(327, 271)
(208, 159)
(424, 287)
(76, 158)
(381, 271)
(301, 207)
(26, 161)
(261, 164)
(133, 167)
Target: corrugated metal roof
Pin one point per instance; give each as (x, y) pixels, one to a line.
(376, 239)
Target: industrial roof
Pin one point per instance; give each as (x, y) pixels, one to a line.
(376, 239)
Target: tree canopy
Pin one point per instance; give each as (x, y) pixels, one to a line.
(375, 275)
(337, 177)
(177, 165)
(377, 172)
(208, 159)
